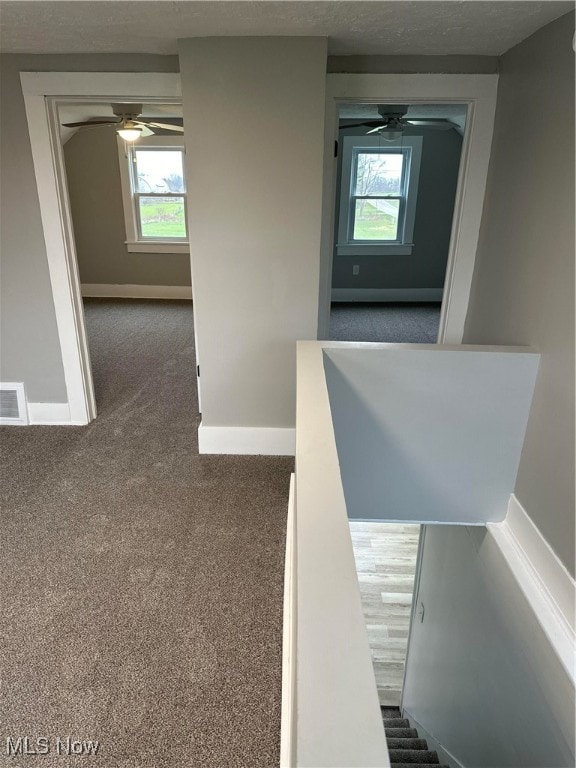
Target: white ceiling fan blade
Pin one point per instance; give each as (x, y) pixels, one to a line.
(144, 130)
(440, 125)
(166, 126)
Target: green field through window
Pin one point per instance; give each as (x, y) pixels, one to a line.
(376, 220)
(162, 217)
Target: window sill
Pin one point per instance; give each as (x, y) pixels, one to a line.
(380, 249)
(157, 247)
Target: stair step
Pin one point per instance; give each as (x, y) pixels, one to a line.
(401, 733)
(411, 756)
(410, 743)
(396, 722)
(390, 711)
(420, 765)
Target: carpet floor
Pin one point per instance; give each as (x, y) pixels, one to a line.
(394, 323)
(141, 583)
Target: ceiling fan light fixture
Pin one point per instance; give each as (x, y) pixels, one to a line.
(394, 135)
(129, 134)
(129, 131)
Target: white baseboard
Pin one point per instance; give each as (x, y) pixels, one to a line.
(103, 291)
(545, 582)
(387, 294)
(445, 757)
(49, 413)
(287, 714)
(264, 441)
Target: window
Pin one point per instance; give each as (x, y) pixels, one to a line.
(378, 195)
(154, 194)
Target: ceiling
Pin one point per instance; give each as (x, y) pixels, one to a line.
(376, 27)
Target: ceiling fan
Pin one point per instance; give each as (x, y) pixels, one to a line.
(128, 126)
(393, 121)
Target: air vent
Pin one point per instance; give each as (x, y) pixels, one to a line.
(13, 404)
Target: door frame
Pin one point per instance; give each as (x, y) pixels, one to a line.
(479, 93)
(43, 92)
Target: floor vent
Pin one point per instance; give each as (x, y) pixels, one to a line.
(13, 404)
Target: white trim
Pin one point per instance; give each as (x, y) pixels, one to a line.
(101, 290)
(386, 294)
(287, 716)
(478, 92)
(445, 757)
(22, 419)
(156, 247)
(255, 441)
(548, 587)
(42, 92)
(50, 413)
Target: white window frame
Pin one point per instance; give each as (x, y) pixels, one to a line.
(135, 243)
(411, 147)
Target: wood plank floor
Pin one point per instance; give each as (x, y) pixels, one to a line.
(385, 556)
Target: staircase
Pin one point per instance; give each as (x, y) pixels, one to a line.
(405, 748)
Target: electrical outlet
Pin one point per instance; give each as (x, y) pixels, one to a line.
(356, 269)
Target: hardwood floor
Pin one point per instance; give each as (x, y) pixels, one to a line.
(385, 556)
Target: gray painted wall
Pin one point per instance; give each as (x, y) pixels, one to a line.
(93, 174)
(425, 267)
(409, 65)
(523, 287)
(30, 349)
(254, 116)
(481, 675)
(426, 434)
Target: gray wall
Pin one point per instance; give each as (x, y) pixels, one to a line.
(410, 446)
(254, 116)
(93, 173)
(30, 350)
(481, 676)
(523, 287)
(425, 267)
(409, 65)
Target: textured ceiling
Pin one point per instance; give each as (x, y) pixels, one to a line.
(352, 27)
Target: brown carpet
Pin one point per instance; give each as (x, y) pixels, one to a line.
(141, 583)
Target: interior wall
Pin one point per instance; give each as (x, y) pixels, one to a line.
(410, 446)
(254, 217)
(30, 348)
(94, 187)
(481, 675)
(523, 287)
(425, 267)
(413, 65)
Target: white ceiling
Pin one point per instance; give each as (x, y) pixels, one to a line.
(352, 26)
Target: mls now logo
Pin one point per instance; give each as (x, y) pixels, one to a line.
(63, 745)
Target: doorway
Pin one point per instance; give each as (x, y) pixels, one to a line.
(127, 202)
(396, 182)
(43, 94)
(478, 94)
